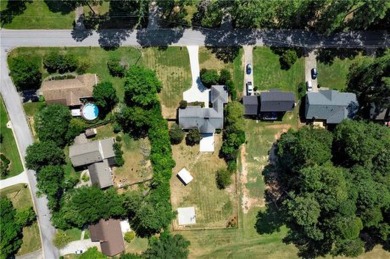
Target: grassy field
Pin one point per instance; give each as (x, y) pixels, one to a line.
(334, 75)
(21, 199)
(8, 146)
(268, 74)
(171, 65)
(41, 14)
(214, 207)
(209, 60)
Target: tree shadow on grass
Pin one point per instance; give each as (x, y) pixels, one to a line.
(14, 8)
(327, 56)
(63, 7)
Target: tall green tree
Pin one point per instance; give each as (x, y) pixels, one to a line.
(10, 230)
(41, 154)
(52, 123)
(50, 181)
(25, 72)
(167, 246)
(141, 87)
(105, 96)
(174, 12)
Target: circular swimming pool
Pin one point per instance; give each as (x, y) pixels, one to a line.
(90, 111)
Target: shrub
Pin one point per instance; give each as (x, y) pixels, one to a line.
(129, 236)
(223, 178)
(55, 62)
(4, 165)
(118, 154)
(193, 137)
(85, 178)
(224, 76)
(115, 68)
(288, 58)
(116, 127)
(176, 134)
(118, 138)
(183, 104)
(25, 217)
(301, 90)
(83, 67)
(61, 239)
(209, 77)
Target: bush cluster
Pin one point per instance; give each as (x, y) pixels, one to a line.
(25, 72)
(115, 68)
(223, 178)
(211, 77)
(119, 161)
(61, 63)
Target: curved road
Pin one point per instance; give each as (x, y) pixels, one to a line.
(159, 37)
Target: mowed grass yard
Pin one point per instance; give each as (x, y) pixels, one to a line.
(172, 66)
(40, 14)
(209, 60)
(268, 74)
(21, 199)
(8, 146)
(213, 207)
(334, 75)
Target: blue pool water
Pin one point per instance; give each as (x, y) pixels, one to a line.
(90, 111)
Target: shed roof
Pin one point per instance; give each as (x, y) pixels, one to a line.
(185, 176)
(109, 234)
(276, 101)
(69, 91)
(331, 106)
(100, 174)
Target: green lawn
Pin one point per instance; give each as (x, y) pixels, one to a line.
(8, 147)
(334, 75)
(33, 107)
(21, 199)
(40, 15)
(268, 74)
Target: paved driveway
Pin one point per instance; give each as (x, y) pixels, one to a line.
(248, 59)
(310, 63)
(20, 178)
(78, 245)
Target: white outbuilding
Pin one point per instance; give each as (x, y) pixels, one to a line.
(185, 176)
(186, 216)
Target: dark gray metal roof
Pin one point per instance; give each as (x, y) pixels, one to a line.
(207, 120)
(331, 106)
(251, 105)
(100, 174)
(276, 101)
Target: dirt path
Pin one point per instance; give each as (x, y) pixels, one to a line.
(247, 202)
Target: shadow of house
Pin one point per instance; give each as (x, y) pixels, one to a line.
(330, 106)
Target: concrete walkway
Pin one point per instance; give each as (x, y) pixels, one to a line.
(310, 63)
(248, 59)
(20, 178)
(198, 92)
(78, 245)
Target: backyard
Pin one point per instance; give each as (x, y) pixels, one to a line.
(8, 145)
(37, 14)
(21, 199)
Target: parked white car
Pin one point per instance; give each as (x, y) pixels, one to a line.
(249, 88)
(309, 86)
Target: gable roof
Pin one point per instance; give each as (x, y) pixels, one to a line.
(276, 101)
(251, 105)
(100, 174)
(91, 152)
(109, 234)
(207, 120)
(69, 91)
(331, 106)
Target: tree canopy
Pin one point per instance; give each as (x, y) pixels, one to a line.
(105, 96)
(25, 73)
(52, 124)
(42, 154)
(141, 87)
(334, 188)
(167, 246)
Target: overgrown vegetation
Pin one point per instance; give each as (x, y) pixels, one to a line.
(333, 194)
(210, 77)
(55, 62)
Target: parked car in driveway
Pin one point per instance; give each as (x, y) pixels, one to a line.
(248, 69)
(79, 252)
(314, 73)
(249, 88)
(309, 86)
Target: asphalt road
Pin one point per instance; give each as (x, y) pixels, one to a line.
(159, 37)
(24, 139)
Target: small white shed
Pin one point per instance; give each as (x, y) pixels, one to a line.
(186, 216)
(185, 176)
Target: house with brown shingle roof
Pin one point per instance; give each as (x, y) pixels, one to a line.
(69, 92)
(109, 234)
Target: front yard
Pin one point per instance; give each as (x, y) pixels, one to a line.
(8, 145)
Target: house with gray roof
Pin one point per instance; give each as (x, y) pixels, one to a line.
(207, 120)
(277, 101)
(330, 106)
(100, 174)
(251, 105)
(96, 151)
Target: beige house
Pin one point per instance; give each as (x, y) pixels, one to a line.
(69, 92)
